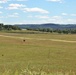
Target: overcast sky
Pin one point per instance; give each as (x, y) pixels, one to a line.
(37, 11)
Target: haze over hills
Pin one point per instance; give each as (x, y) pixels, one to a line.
(47, 25)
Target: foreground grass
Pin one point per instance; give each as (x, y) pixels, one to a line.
(40, 72)
(37, 55)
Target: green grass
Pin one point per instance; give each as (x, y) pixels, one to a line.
(16, 55)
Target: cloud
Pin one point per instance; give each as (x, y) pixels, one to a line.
(16, 15)
(60, 1)
(71, 21)
(30, 16)
(42, 17)
(1, 17)
(21, 0)
(56, 17)
(61, 20)
(73, 14)
(46, 19)
(66, 21)
(1, 7)
(36, 9)
(39, 16)
(12, 0)
(3, 1)
(64, 14)
(15, 6)
(0, 12)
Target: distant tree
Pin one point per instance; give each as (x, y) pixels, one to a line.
(1, 26)
(7, 27)
(48, 29)
(15, 27)
(73, 31)
(66, 31)
(59, 31)
(44, 30)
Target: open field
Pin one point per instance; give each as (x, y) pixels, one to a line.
(36, 53)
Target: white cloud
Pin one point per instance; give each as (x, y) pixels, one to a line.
(16, 0)
(71, 21)
(0, 12)
(16, 15)
(73, 14)
(45, 19)
(56, 17)
(3, 1)
(1, 7)
(1, 17)
(64, 14)
(30, 16)
(61, 20)
(36, 9)
(50, 20)
(42, 17)
(60, 1)
(22, 0)
(13, 16)
(15, 6)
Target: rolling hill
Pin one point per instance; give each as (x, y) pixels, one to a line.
(47, 25)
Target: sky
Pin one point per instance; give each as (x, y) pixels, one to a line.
(37, 11)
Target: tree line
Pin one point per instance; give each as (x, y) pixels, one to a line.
(60, 31)
(8, 27)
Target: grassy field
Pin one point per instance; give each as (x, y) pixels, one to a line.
(34, 54)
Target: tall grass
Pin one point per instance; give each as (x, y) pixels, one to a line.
(47, 57)
(30, 72)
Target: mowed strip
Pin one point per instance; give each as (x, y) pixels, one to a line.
(38, 39)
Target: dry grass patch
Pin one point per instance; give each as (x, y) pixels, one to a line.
(53, 55)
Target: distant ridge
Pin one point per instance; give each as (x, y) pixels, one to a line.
(47, 25)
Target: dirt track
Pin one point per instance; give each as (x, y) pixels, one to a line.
(39, 39)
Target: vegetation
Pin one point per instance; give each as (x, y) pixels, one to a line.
(41, 53)
(40, 72)
(61, 31)
(8, 27)
(36, 55)
(42, 29)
